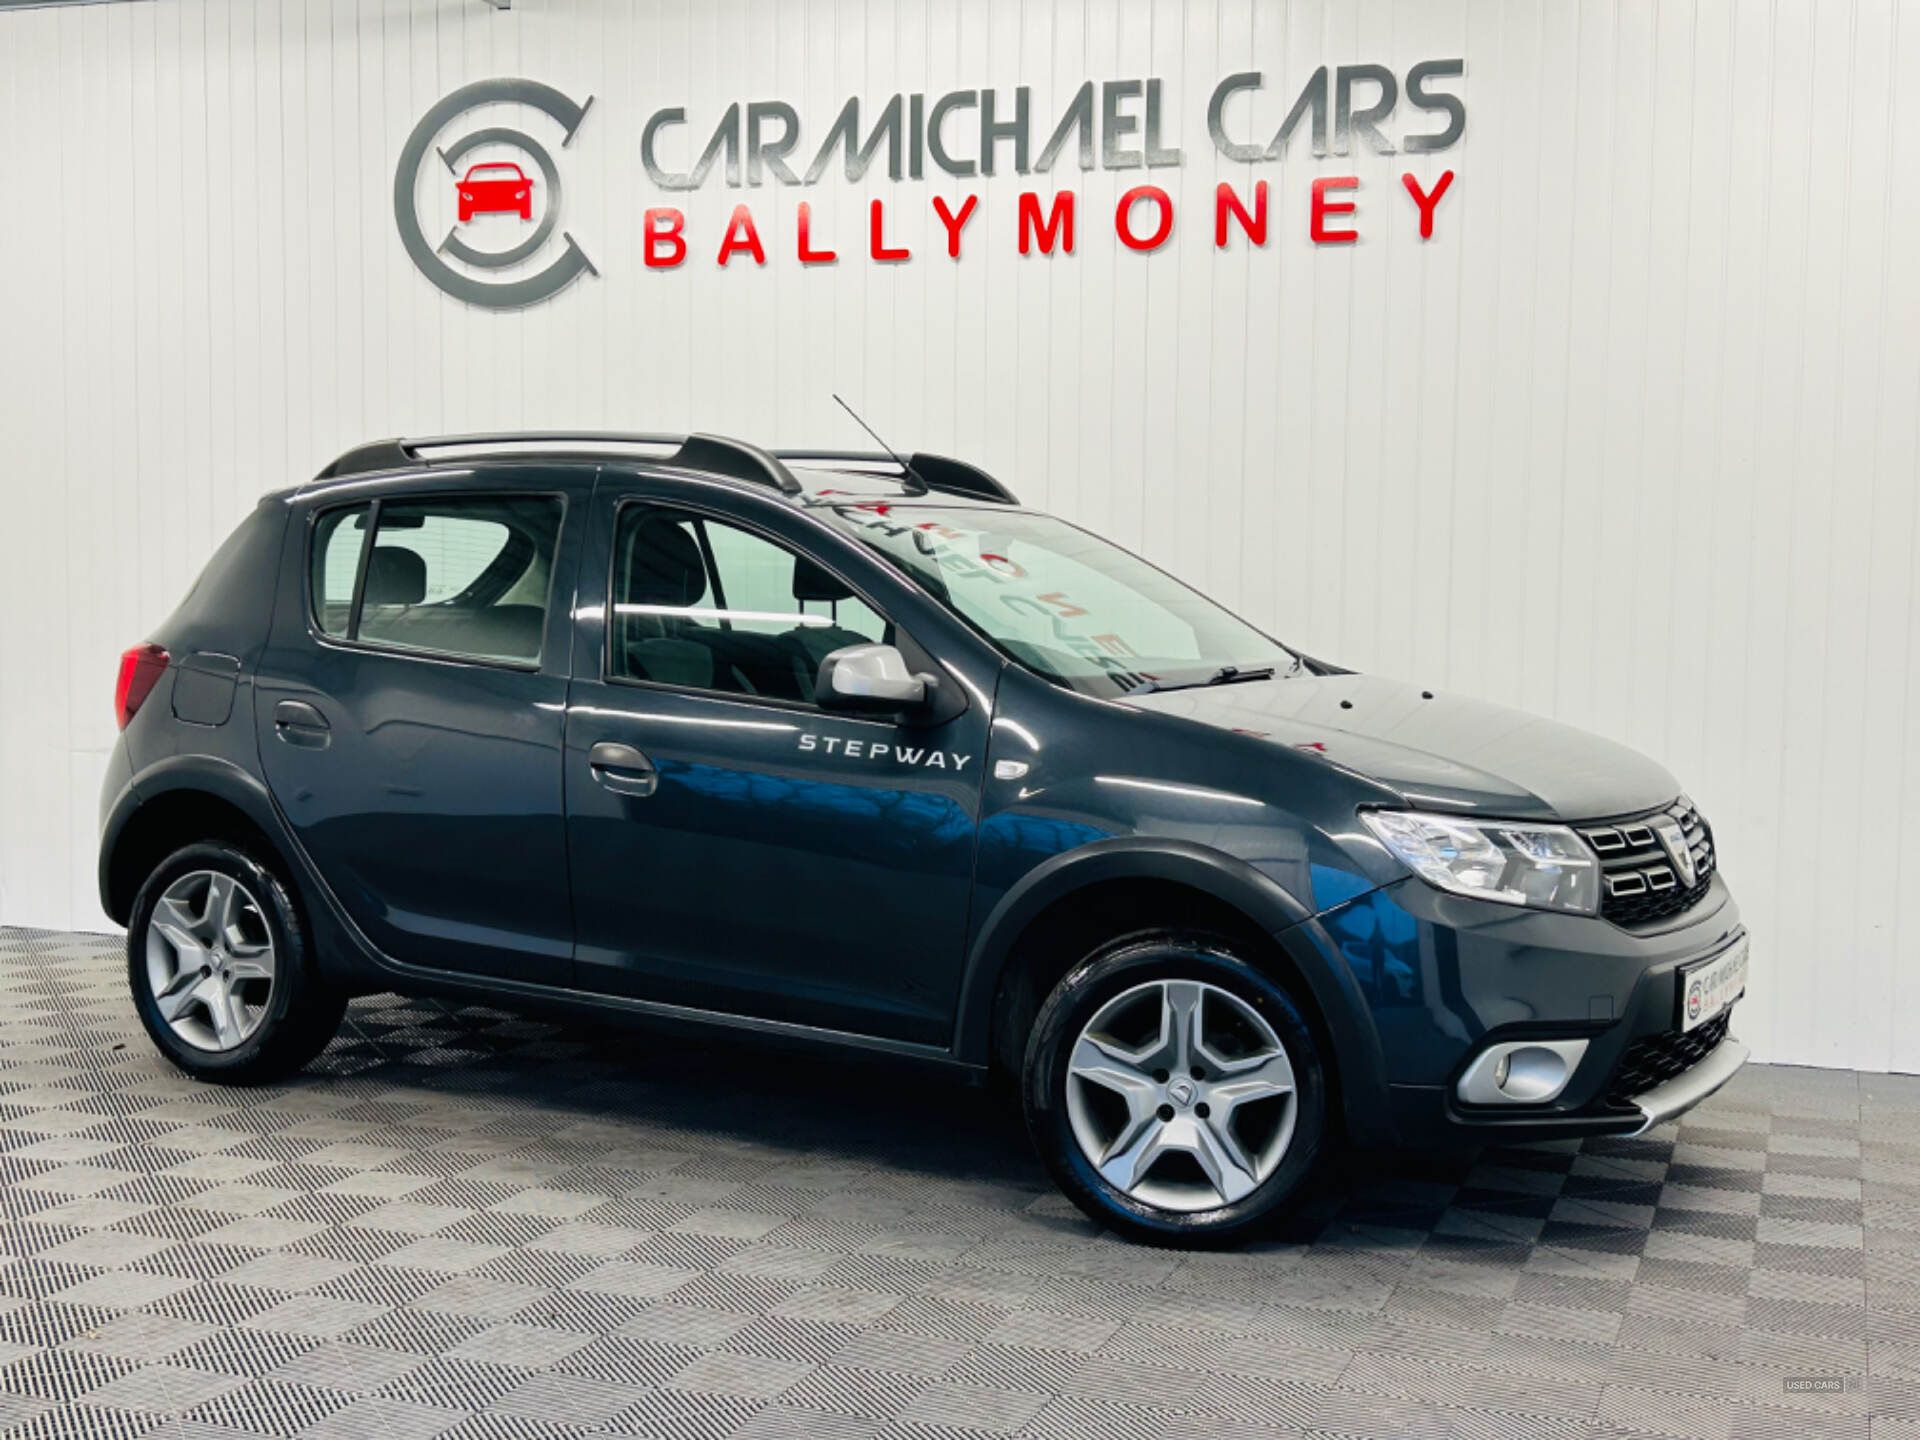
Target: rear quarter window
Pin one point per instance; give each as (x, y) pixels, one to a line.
(339, 537)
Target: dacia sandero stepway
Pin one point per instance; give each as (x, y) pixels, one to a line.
(853, 749)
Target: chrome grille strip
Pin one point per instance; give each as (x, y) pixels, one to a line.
(1640, 883)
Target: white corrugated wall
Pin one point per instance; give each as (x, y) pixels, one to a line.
(1631, 441)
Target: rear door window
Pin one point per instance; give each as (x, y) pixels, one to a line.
(454, 549)
(463, 576)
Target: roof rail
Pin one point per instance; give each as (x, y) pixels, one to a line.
(722, 455)
(375, 455)
(864, 457)
(715, 454)
(957, 477)
(936, 472)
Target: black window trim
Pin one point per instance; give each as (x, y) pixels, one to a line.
(352, 641)
(360, 569)
(700, 513)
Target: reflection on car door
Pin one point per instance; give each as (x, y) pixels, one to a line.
(733, 847)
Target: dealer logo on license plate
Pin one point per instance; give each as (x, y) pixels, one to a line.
(1709, 988)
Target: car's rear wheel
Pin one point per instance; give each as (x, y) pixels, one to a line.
(221, 971)
(1174, 1091)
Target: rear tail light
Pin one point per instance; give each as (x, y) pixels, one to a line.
(140, 670)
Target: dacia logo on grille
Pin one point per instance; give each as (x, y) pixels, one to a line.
(1673, 840)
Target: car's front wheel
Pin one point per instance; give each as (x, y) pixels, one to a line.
(1174, 1091)
(221, 971)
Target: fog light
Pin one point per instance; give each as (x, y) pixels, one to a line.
(1520, 1072)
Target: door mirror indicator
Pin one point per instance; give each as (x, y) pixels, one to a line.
(870, 679)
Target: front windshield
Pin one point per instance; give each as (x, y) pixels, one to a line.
(1063, 602)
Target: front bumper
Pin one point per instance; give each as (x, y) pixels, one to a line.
(1673, 1098)
(1447, 977)
(1429, 1115)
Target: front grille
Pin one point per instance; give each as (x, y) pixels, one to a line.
(1658, 1058)
(1640, 881)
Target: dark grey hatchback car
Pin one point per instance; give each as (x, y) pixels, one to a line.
(850, 749)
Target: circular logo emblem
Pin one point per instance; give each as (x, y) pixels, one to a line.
(1180, 1091)
(1696, 1000)
(493, 197)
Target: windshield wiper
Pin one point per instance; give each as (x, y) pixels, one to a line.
(1233, 674)
(1225, 675)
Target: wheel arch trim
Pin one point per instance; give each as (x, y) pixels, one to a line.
(1336, 994)
(227, 781)
(220, 779)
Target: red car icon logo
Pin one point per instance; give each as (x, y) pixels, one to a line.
(496, 187)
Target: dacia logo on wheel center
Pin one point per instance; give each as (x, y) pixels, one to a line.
(1181, 1092)
(493, 186)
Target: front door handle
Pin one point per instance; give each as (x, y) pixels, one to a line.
(299, 723)
(622, 768)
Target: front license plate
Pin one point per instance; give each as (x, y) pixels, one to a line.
(1711, 986)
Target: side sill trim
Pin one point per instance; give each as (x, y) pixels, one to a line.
(503, 987)
(1675, 1097)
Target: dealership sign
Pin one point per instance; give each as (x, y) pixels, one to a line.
(470, 280)
(964, 135)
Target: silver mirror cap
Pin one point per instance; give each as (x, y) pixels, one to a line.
(870, 677)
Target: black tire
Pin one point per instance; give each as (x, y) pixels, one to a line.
(1099, 979)
(302, 1011)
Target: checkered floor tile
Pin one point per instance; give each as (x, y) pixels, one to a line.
(467, 1224)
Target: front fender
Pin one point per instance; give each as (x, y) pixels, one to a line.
(1263, 900)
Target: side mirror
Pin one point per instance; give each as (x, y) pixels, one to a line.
(869, 679)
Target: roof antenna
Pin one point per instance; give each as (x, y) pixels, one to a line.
(909, 471)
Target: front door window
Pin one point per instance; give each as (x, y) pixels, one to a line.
(702, 604)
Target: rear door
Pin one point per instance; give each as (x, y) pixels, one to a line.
(411, 705)
(735, 848)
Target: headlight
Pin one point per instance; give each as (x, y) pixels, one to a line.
(1546, 867)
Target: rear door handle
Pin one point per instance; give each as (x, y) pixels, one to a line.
(622, 768)
(299, 723)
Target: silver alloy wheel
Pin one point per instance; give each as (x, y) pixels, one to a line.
(1181, 1095)
(210, 960)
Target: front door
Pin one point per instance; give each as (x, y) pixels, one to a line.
(734, 847)
(410, 708)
